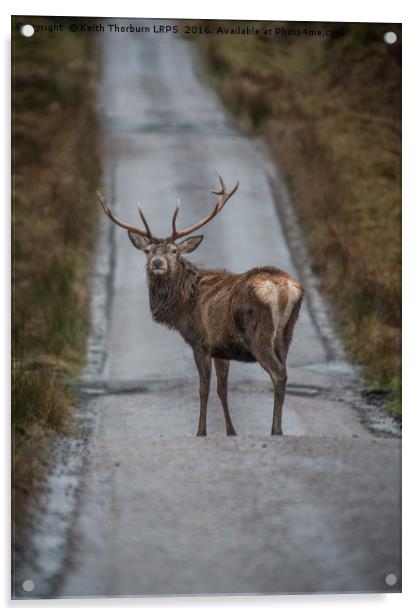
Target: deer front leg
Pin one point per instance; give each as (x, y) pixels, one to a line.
(203, 363)
(221, 368)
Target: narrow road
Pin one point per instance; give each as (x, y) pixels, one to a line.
(158, 510)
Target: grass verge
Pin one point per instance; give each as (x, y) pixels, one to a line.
(329, 109)
(55, 172)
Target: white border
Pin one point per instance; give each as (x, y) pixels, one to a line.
(305, 10)
(322, 10)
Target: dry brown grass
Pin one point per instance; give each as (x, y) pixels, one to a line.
(55, 174)
(330, 111)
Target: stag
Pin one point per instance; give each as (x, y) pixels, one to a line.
(246, 317)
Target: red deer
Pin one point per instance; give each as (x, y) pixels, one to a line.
(246, 317)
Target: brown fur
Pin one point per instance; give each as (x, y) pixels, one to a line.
(246, 317)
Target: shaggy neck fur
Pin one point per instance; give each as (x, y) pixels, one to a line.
(171, 293)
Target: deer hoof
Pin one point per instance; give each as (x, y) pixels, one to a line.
(231, 433)
(277, 433)
(201, 433)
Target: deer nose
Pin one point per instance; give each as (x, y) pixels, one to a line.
(157, 263)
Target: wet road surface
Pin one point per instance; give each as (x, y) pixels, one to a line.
(155, 509)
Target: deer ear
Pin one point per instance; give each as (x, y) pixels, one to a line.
(190, 244)
(138, 240)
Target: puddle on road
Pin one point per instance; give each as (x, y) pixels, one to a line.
(129, 387)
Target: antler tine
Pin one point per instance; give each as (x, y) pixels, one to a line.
(176, 212)
(144, 219)
(223, 187)
(104, 203)
(225, 196)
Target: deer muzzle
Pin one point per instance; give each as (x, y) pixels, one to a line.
(158, 265)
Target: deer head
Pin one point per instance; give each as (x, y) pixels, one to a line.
(163, 253)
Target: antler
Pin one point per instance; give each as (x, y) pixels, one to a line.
(144, 232)
(225, 196)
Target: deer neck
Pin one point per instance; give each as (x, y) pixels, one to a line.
(172, 296)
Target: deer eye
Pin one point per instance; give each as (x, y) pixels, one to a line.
(173, 249)
(147, 250)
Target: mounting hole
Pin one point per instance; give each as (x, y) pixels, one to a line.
(28, 585)
(27, 30)
(391, 579)
(390, 38)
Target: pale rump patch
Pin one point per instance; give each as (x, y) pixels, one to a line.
(293, 295)
(265, 289)
(280, 296)
(294, 292)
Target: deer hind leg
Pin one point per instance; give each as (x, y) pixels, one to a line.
(281, 341)
(264, 350)
(279, 380)
(283, 324)
(203, 363)
(221, 368)
(278, 373)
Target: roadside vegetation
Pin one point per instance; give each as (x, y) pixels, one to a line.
(330, 111)
(55, 172)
